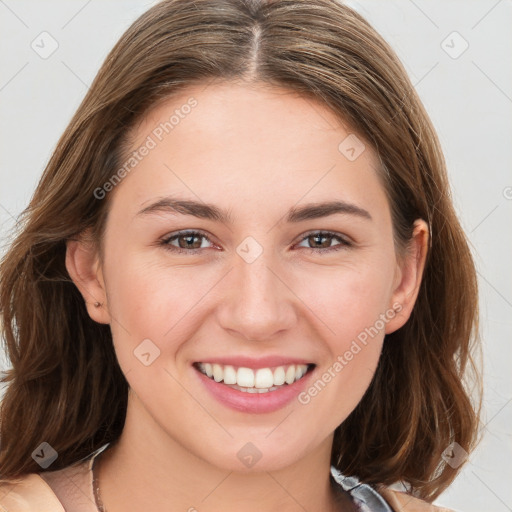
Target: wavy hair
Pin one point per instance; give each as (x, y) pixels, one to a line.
(66, 387)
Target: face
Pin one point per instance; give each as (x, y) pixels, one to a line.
(222, 271)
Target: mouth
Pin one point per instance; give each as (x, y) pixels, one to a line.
(254, 380)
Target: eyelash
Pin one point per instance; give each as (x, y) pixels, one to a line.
(344, 243)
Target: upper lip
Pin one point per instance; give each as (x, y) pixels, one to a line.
(254, 363)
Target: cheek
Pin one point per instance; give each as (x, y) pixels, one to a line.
(349, 300)
(150, 301)
(354, 313)
(353, 306)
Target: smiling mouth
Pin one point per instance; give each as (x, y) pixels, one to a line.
(261, 380)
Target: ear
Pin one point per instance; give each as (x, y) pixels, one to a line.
(84, 267)
(408, 276)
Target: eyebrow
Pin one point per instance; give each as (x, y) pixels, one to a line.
(212, 212)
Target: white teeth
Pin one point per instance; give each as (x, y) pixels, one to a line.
(218, 372)
(261, 380)
(229, 375)
(279, 376)
(290, 374)
(264, 378)
(245, 377)
(253, 390)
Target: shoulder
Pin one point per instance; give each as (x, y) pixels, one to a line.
(403, 502)
(69, 488)
(28, 493)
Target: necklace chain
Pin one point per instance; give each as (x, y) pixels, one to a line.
(96, 486)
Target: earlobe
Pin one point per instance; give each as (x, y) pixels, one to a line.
(410, 276)
(83, 266)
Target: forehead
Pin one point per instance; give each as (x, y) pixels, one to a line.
(248, 143)
(224, 111)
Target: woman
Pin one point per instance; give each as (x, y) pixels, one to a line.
(240, 282)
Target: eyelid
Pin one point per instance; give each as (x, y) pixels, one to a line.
(327, 232)
(165, 241)
(346, 241)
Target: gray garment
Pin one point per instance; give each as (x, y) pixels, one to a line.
(364, 496)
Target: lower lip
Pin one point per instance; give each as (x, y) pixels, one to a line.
(254, 402)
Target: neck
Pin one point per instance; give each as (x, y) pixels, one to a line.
(147, 470)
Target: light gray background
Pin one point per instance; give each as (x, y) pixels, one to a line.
(469, 98)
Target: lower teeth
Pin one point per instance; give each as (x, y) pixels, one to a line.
(253, 390)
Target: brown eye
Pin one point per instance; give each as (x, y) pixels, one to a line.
(321, 241)
(187, 241)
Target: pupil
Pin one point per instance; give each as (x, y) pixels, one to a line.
(319, 237)
(189, 240)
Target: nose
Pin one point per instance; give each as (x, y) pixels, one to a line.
(257, 303)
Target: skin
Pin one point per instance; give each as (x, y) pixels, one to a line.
(256, 151)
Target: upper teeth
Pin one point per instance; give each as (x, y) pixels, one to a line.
(247, 377)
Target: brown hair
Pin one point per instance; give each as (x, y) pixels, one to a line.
(66, 387)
